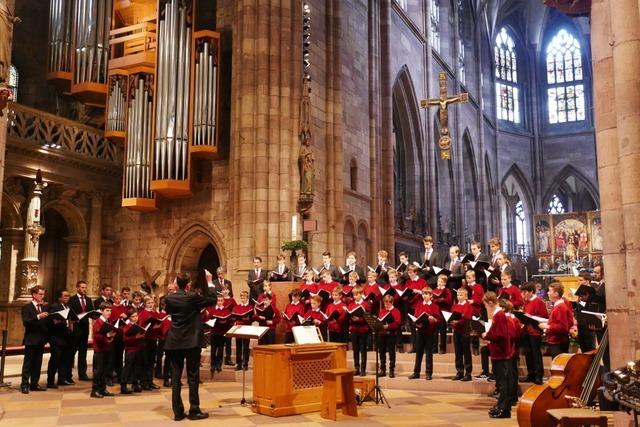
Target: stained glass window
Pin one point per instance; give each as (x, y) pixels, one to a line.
(565, 94)
(555, 205)
(435, 25)
(461, 24)
(403, 4)
(13, 83)
(507, 93)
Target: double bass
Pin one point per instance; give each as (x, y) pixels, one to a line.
(574, 377)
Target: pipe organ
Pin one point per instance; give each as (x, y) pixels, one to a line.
(59, 57)
(156, 75)
(92, 21)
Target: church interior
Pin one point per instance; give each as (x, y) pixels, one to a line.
(141, 140)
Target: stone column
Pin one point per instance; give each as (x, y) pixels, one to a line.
(266, 82)
(12, 240)
(95, 246)
(30, 264)
(5, 40)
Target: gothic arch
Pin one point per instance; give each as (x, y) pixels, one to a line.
(363, 242)
(471, 197)
(11, 218)
(408, 173)
(515, 188)
(187, 245)
(76, 224)
(350, 236)
(573, 184)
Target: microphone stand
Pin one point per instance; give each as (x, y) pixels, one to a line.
(376, 326)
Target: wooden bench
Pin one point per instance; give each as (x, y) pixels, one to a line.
(330, 393)
(576, 417)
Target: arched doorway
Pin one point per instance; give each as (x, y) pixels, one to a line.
(209, 260)
(53, 254)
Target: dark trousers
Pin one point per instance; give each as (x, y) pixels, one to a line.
(288, 337)
(268, 338)
(504, 372)
(424, 347)
(217, 350)
(359, 345)
(117, 356)
(157, 370)
(533, 356)
(342, 337)
(462, 346)
(586, 339)
(57, 363)
(387, 343)
(441, 338)
(556, 349)
(149, 354)
(177, 358)
(484, 360)
(132, 369)
(32, 364)
(242, 352)
(227, 348)
(80, 347)
(515, 360)
(100, 370)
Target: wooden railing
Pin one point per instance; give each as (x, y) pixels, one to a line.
(133, 39)
(48, 129)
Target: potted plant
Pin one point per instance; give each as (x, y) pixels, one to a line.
(295, 248)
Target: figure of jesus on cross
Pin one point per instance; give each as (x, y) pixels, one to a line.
(443, 102)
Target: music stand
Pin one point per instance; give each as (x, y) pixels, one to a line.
(376, 326)
(250, 333)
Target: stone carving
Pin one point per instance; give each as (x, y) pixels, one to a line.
(6, 27)
(44, 128)
(305, 158)
(28, 279)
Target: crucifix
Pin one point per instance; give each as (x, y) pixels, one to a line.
(443, 102)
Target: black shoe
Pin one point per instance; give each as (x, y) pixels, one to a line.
(238, 368)
(65, 382)
(363, 373)
(495, 394)
(244, 368)
(491, 378)
(110, 382)
(218, 368)
(428, 377)
(24, 389)
(482, 376)
(106, 393)
(37, 388)
(458, 377)
(125, 390)
(382, 373)
(442, 352)
(84, 377)
(392, 373)
(197, 416)
(158, 375)
(51, 385)
(228, 362)
(414, 376)
(96, 395)
(146, 387)
(137, 388)
(476, 352)
(493, 410)
(526, 379)
(466, 378)
(166, 383)
(153, 386)
(538, 381)
(180, 417)
(501, 413)
(70, 382)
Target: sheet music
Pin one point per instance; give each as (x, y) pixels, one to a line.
(306, 335)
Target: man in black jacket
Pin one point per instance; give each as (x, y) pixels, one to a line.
(61, 340)
(184, 341)
(34, 319)
(81, 303)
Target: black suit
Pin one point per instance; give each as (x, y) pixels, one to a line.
(434, 260)
(216, 286)
(61, 341)
(100, 300)
(81, 332)
(35, 333)
(335, 273)
(184, 340)
(275, 276)
(255, 282)
(344, 279)
(457, 273)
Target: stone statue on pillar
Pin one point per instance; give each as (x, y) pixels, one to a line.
(305, 158)
(33, 231)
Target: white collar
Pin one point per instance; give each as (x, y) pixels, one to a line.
(426, 302)
(103, 319)
(534, 296)
(557, 303)
(463, 302)
(295, 302)
(498, 308)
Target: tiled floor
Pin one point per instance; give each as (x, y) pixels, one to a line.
(72, 406)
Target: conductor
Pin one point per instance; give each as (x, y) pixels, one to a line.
(184, 341)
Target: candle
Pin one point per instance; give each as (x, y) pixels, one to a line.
(539, 263)
(589, 259)
(294, 227)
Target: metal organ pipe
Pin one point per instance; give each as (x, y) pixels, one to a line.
(204, 122)
(116, 105)
(137, 171)
(92, 23)
(172, 91)
(60, 12)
